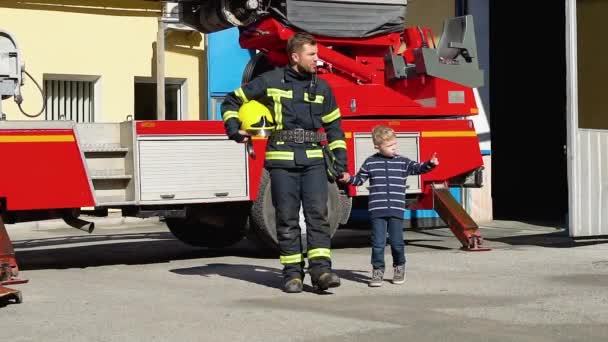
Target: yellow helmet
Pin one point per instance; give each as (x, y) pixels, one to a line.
(256, 119)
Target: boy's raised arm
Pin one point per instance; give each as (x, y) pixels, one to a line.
(415, 168)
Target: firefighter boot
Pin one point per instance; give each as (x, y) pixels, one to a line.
(325, 281)
(293, 285)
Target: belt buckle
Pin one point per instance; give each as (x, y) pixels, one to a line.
(298, 135)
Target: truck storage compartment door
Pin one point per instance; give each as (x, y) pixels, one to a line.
(182, 168)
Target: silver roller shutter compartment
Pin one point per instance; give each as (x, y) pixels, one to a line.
(186, 169)
(343, 18)
(407, 146)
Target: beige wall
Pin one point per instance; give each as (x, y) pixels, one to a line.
(429, 13)
(592, 67)
(478, 201)
(114, 40)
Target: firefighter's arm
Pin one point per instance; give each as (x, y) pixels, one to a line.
(234, 100)
(332, 123)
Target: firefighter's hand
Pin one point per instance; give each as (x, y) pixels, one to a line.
(344, 177)
(240, 137)
(245, 135)
(434, 159)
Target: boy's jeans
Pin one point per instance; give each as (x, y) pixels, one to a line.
(380, 225)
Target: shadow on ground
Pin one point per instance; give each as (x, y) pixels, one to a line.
(541, 234)
(559, 239)
(79, 251)
(260, 275)
(115, 249)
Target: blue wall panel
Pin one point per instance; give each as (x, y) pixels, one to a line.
(456, 192)
(226, 62)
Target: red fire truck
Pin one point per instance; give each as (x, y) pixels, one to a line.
(381, 73)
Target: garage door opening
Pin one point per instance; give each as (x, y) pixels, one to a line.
(528, 119)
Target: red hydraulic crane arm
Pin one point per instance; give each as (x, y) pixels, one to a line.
(271, 37)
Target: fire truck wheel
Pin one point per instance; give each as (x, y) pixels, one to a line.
(263, 222)
(256, 66)
(213, 225)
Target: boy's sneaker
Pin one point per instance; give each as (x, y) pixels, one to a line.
(377, 278)
(399, 274)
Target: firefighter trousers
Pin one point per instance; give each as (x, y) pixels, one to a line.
(306, 186)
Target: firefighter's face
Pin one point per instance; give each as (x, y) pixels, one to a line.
(305, 60)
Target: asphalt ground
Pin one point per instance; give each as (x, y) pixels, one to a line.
(132, 281)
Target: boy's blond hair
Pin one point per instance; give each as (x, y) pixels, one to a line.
(381, 134)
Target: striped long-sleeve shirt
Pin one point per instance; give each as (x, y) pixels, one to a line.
(387, 178)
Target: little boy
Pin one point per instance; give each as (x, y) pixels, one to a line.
(387, 172)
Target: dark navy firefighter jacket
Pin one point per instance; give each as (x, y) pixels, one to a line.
(387, 178)
(287, 94)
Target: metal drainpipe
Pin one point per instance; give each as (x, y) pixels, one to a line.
(160, 67)
(163, 21)
(462, 7)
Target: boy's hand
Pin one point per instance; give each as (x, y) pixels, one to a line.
(434, 159)
(344, 178)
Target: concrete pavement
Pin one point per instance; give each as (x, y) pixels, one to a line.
(136, 283)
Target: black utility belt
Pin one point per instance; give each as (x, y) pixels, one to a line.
(298, 135)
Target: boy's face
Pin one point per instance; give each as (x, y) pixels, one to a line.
(388, 148)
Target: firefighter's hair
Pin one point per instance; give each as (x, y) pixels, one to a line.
(381, 134)
(297, 41)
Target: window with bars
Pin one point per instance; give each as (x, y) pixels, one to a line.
(69, 100)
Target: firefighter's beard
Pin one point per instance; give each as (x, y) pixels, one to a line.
(311, 68)
(306, 68)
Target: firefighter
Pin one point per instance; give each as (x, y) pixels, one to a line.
(301, 104)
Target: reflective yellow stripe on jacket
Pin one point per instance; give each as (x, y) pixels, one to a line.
(337, 144)
(331, 116)
(279, 155)
(319, 253)
(289, 155)
(230, 115)
(241, 94)
(276, 95)
(314, 154)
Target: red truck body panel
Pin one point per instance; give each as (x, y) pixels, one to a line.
(43, 169)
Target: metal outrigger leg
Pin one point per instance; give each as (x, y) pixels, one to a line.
(459, 221)
(8, 267)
